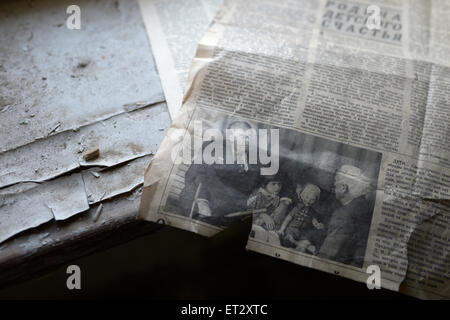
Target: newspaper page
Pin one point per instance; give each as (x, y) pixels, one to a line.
(175, 27)
(327, 122)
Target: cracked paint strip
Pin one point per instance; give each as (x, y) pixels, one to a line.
(120, 139)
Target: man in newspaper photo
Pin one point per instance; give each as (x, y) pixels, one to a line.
(214, 190)
(349, 225)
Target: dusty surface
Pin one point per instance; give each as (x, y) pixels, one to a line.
(62, 93)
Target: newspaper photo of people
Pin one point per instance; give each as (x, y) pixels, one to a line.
(319, 201)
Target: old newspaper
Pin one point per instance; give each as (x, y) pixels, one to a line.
(328, 122)
(175, 27)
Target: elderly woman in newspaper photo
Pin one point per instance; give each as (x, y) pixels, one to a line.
(347, 231)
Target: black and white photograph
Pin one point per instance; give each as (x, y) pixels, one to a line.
(319, 202)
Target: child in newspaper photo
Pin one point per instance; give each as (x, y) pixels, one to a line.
(267, 197)
(302, 228)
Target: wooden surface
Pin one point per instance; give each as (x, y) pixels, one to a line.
(38, 251)
(104, 69)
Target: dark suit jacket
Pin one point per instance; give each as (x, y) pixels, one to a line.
(347, 233)
(226, 187)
